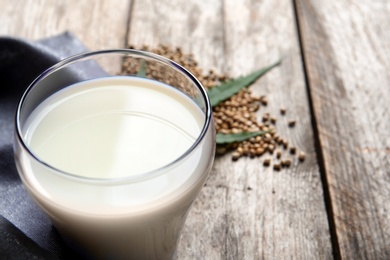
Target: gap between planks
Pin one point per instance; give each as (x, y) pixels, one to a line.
(317, 143)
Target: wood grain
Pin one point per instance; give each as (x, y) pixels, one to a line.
(347, 56)
(247, 211)
(98, 24)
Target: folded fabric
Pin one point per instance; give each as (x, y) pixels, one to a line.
(16, 245)
(21, 62)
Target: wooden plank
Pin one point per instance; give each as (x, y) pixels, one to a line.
(282, 214)
(99, 25)
(347, 53)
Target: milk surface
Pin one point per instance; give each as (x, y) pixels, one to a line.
(113, 127)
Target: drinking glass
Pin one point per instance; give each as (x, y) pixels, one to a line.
(137, 214)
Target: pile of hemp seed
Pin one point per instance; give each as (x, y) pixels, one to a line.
(235, 115)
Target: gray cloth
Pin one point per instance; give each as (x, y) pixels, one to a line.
(20, 62)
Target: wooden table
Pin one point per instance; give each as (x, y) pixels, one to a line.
(335, 81)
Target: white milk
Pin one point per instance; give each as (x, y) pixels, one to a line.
(100, 133)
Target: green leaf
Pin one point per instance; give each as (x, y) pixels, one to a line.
(142, 70)
(227, 89)
(230, 138)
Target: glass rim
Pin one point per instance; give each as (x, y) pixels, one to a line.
(89, 54)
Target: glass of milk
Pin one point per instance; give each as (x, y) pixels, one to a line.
(115, 160)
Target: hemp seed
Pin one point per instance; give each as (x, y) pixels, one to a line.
(286, 162)
(267, 162)
(293, 150)
(277, 167)
(301, 156)
(283, 110)
(291, 123)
